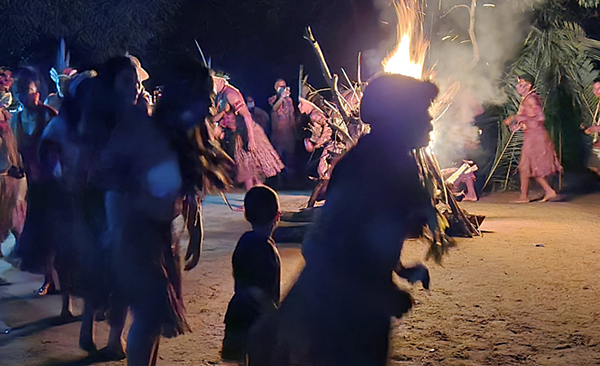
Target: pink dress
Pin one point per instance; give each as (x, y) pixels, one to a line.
(538, 157)
(263, 161)
(12, 201)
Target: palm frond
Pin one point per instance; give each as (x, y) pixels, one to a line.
(589, 3)
(558, 56)
(506, 163)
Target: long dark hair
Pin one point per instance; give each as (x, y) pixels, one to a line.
(23, 76)
(190, 86)
(102, 103)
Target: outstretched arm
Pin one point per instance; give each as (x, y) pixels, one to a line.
(592, 129)
(280, 100)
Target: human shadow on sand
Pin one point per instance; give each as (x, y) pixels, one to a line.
(83, 361)
(10, 334)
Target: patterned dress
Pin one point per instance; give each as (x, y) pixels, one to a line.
(538, 157)
(9, 186)
(36, 245)
(323, 136)
(263, 161)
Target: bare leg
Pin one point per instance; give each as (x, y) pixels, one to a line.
(116, 319)
(155, 354)
(86, 333)
(471, 194)
(549, 193)
(142, 342)
(524, 190)
(65, 312)
(317, 192)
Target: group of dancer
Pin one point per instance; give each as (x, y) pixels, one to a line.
(107, 170)
(105, 177)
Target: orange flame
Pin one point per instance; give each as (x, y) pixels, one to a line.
(408, 57)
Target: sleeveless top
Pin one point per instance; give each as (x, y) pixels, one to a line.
(28, 144)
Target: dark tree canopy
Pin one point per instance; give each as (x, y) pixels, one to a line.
(258, 41)
(589, 3)
(255, 41)
(93, 29)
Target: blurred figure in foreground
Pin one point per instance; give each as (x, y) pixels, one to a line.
(339, 311)
(150, 163)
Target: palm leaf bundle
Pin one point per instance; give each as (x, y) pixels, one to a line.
(453, 220)
(589, 3)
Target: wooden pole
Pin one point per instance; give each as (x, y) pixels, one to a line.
(331, 80)
(499, 159)
(560, 152)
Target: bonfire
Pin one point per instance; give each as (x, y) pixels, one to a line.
(407, 58)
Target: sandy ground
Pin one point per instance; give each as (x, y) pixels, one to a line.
(526, 293)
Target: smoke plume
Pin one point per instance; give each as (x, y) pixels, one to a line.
(500, 29)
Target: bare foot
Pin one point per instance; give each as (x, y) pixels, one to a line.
(469, 198)
(549, 197)
(521, 200)
(110, 353)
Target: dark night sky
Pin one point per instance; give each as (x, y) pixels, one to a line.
(256, 43)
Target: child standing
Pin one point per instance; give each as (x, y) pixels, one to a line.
(256, 272)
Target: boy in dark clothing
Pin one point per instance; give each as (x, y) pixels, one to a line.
(256, 271)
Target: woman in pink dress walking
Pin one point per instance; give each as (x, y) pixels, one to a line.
(538, 157)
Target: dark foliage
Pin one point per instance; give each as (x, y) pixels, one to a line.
(94, 30)
(560, 56)
(258, 41)
(254, 41)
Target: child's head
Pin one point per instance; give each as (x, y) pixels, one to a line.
(261, 206)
